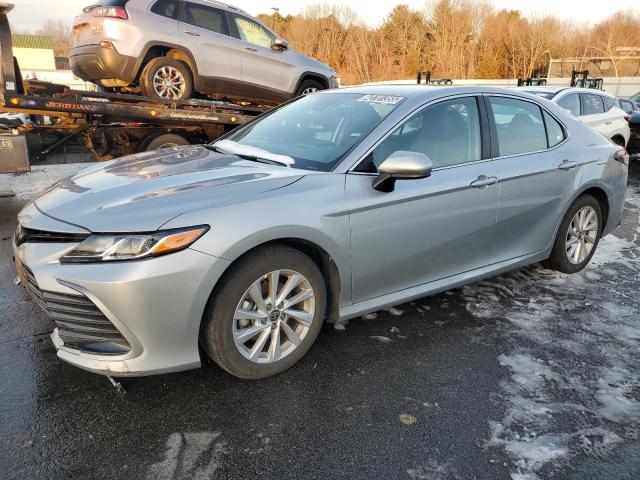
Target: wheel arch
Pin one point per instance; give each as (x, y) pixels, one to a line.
(619, 139)
(599, 192)
(162, 49)
(324, 81)
(320, 255)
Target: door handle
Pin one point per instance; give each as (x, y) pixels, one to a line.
(193, 34)
(251, 49)
(483, 181)
(567, 165)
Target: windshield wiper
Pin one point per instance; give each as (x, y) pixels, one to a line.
(248, 152)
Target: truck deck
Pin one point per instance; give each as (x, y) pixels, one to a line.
(62, 122)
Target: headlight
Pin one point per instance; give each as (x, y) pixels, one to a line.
(114, 247)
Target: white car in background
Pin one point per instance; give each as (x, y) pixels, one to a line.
(595, 108)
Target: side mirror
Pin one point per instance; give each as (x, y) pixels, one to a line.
(279, 44)
(402, 165)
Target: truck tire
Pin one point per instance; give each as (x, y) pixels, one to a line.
(307, 87)
(166, 79)
(162, 140)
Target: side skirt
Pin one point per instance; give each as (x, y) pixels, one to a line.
(438, 286)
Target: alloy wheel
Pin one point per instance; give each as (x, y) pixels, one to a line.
(582, 235)
(309, 90)
(273, 316)
(169, 83)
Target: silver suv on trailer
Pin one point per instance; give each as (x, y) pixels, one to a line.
(171, 49)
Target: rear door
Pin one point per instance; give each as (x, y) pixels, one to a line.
(538, 174)
(164, 20)
(263, 65)
(204, 31)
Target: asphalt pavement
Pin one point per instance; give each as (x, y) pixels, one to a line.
(529, 375)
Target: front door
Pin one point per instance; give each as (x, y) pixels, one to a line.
(432, 228)
(270, 72)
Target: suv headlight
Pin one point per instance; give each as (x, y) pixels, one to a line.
(118, 247)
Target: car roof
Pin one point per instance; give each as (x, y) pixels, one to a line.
(424, 92)
(222, 5)
(556, 90)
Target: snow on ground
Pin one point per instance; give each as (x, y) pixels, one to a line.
(28, 185)
(571, 350)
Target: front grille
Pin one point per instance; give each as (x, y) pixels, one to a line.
(30, 235)
(81, 325)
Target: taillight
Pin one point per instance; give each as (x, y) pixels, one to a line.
(106, 44)
(621, 156)
(627, 118)
(111, 12)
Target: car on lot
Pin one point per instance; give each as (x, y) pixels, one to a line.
(331, 206)
(175, 49)
(627, 105)
(634, 142)
(595, 108)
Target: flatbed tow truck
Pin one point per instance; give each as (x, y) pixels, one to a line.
(63, 124)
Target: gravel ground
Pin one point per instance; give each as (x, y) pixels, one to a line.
(529, 375)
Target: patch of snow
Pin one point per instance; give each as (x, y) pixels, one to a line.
(28, 185)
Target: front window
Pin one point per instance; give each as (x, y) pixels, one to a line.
(253, 33)
(317, 131)
(447, 132)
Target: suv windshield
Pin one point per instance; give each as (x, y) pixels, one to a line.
(317, 131)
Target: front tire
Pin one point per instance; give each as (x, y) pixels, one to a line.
(266, 313)
(308, 87)
(578, 236)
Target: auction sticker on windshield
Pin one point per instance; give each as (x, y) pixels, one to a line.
(386, 99)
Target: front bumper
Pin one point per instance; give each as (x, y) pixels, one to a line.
(156, 304)
(93, 63)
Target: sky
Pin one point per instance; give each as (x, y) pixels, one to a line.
(29, 15)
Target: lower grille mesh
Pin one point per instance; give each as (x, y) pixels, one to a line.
(81, 325)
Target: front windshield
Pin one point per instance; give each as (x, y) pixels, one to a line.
(317, 131)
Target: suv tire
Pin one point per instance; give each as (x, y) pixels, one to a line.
(232, 316)
(166, 79)
(307, 87)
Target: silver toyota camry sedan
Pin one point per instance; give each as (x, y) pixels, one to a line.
(331, 206)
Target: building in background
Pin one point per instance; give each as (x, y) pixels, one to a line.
(624, 62)
(34, 52)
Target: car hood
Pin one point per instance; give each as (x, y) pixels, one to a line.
(141, 192)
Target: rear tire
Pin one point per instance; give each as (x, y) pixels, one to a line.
(308, 87)
(166, 79)
(574, 233)
(227, 327)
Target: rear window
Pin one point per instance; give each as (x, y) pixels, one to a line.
(167, 8)
(592, 104)
(208, 18)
